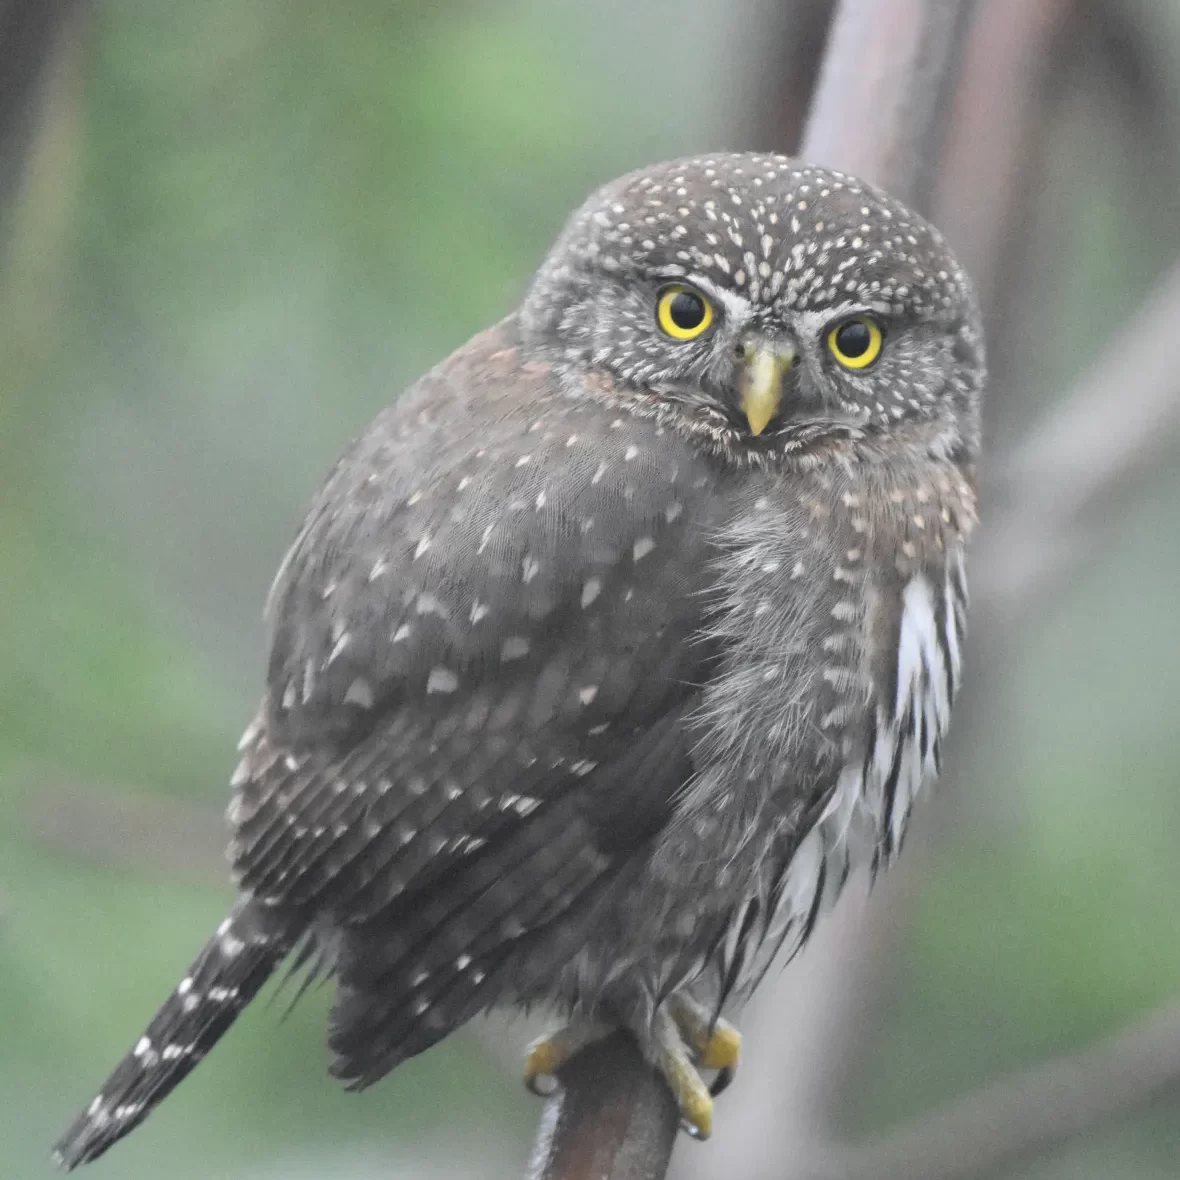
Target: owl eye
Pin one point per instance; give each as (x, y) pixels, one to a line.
(682, 312)
(856, 342)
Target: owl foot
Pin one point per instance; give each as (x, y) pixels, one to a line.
(547, 1054)
(682, 1040)
(668, 1050)
(717, 1043)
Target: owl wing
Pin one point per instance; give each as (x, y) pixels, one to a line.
(486, 641)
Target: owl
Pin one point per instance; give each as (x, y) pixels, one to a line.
(614, 645)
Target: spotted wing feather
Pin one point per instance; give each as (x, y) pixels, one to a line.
(460, 681)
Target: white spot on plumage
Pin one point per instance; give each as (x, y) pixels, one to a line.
(142, 1047)
(402, 633)
(590, 591)
(642, 548)
(597, 476)
(441, 680)
(378, 568)
(339, 647)
(478, 611)
(230, 946)
(632, 452)
(422, 546)
(529, 569)
(515, 647)
(184, 986)
(586, 695)
(427, 604)
(359, 693)
(673, 510)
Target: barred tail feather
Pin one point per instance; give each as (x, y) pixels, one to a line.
(225, 977)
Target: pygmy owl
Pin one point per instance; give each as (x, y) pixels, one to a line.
(614, 644)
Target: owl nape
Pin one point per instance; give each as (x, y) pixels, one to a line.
(614, 645)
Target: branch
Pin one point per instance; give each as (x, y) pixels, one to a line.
(1020, 1116)
(1057, 488)
(993, 118)
(129, 831)
(30, 32)
(882, 89)
(611, 1117)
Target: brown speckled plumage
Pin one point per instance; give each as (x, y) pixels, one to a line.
(581, 691)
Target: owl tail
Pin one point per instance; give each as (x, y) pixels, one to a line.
(226, 976)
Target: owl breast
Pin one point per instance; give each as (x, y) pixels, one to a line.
(844, 635)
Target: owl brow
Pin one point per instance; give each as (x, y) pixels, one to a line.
(816, 321)
(737, 307)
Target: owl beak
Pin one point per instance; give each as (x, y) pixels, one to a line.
(762, 382)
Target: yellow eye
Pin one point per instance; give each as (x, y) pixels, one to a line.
(856, 342)
(683, 312)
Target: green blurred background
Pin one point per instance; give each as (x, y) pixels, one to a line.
(242, 226)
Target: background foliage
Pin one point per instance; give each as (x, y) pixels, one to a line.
(244, 226)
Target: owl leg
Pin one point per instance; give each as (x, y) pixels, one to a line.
(547, 1054)
(716, 1043)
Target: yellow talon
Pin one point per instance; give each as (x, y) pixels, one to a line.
(717, 1043)
(688, 1087)
(723, 1048)
(696, 1108)
(544, 1058)
(547, 1054)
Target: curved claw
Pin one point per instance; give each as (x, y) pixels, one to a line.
(721, 1082)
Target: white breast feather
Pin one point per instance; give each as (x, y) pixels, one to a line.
(865, 821)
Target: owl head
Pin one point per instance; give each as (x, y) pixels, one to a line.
(762, 295)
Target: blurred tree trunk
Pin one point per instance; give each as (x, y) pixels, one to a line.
(32, 35)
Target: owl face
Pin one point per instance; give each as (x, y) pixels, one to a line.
(767, 291)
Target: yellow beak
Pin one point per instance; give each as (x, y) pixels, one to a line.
(762, 383)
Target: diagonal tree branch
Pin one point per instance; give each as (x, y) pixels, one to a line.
(1056, 489)
(879, 103)
(1022, 1115)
